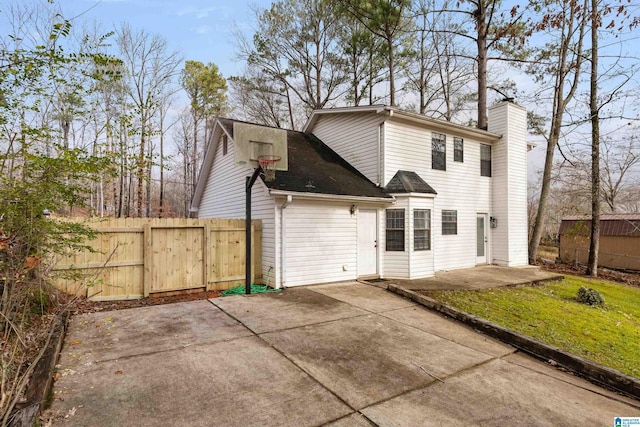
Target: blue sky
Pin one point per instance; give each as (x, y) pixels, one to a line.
(201, 29)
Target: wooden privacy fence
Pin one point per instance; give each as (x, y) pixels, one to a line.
(138, 257)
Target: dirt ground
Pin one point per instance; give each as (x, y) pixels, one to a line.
(84, 305)
(628, 278)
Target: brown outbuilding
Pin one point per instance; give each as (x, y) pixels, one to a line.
(619, 240)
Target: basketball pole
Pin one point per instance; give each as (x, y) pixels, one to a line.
(247, 272)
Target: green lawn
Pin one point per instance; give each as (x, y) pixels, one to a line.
(549, 313)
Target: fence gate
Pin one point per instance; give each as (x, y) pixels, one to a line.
(176, 256)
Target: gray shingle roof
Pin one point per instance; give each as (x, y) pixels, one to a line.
(408, 182)
(316, 168)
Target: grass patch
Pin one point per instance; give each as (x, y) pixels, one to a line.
(550, 313)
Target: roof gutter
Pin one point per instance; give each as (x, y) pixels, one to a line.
(338, 197)
(442, 125)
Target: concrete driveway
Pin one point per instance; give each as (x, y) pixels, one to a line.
(341, 355)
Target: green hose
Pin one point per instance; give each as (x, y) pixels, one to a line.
(255, 289)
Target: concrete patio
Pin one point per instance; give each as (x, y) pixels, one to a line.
(480, 277)
(344, 354)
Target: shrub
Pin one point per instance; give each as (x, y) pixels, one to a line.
(590, 297)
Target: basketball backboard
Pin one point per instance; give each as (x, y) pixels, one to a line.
(253, 141)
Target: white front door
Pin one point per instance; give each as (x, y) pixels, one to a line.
(481, 239)
(367, 242)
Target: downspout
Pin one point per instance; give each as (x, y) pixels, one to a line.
(283, 246)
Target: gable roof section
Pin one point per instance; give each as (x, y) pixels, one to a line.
(610, 225)
(408, 182)
(314, 168)
(407, 116)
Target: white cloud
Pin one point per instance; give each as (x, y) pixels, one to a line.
(198, 13)
(203, 29)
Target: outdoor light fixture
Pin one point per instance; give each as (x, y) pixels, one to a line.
(352, 209)
(494, 222)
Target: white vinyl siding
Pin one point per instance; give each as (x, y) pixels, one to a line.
(396, 263)
(224, 197)
(420, 261)
(460, 188)
(509, 185)
(411, 263)
(395, 230)
(321, 243)
(355, 137)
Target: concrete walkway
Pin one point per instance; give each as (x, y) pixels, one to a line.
(340, 355)
(481, 277)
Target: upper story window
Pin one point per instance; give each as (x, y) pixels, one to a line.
(421, 229)
(449, 222)
(485, 160)
(395, 230)
(458, 149)
(225, 145)
(438, 151)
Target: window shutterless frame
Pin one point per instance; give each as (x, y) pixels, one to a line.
(394, 230)
(438, 151)
(421, 229)
(449, 222)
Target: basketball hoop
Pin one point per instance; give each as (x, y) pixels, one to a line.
(268, 165)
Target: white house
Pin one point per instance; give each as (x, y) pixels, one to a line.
(378, 192)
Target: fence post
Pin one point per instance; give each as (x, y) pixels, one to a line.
(205, 253)
(146, 247)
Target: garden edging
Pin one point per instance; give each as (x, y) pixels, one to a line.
(594, 372)
(26, 413)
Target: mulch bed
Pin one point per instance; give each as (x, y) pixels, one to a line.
(86, 306)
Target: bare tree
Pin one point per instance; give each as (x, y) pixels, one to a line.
(619, 167)
(388, 20)
(295, 45)
(441, 71)
(150, 68)
(559, 65)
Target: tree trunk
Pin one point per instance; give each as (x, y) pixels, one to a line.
(392, 84)
(161, 196)
(594, 247)
(481, 27)
(544, 197)
(560, 101)
(141, 163)
(194, 154)
(149, 170)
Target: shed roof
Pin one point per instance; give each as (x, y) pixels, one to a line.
(408, 182)
(317, 169)
(610, 225)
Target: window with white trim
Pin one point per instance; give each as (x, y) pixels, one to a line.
(458, 149)
(485, 160)
(421, 229)
(395, 230)
(449, 222)
(438, 151)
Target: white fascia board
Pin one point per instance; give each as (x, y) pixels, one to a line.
(420, 195)
(336, 197)
(444, 126)
(342, 110)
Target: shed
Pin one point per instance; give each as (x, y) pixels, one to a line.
(619, 240)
